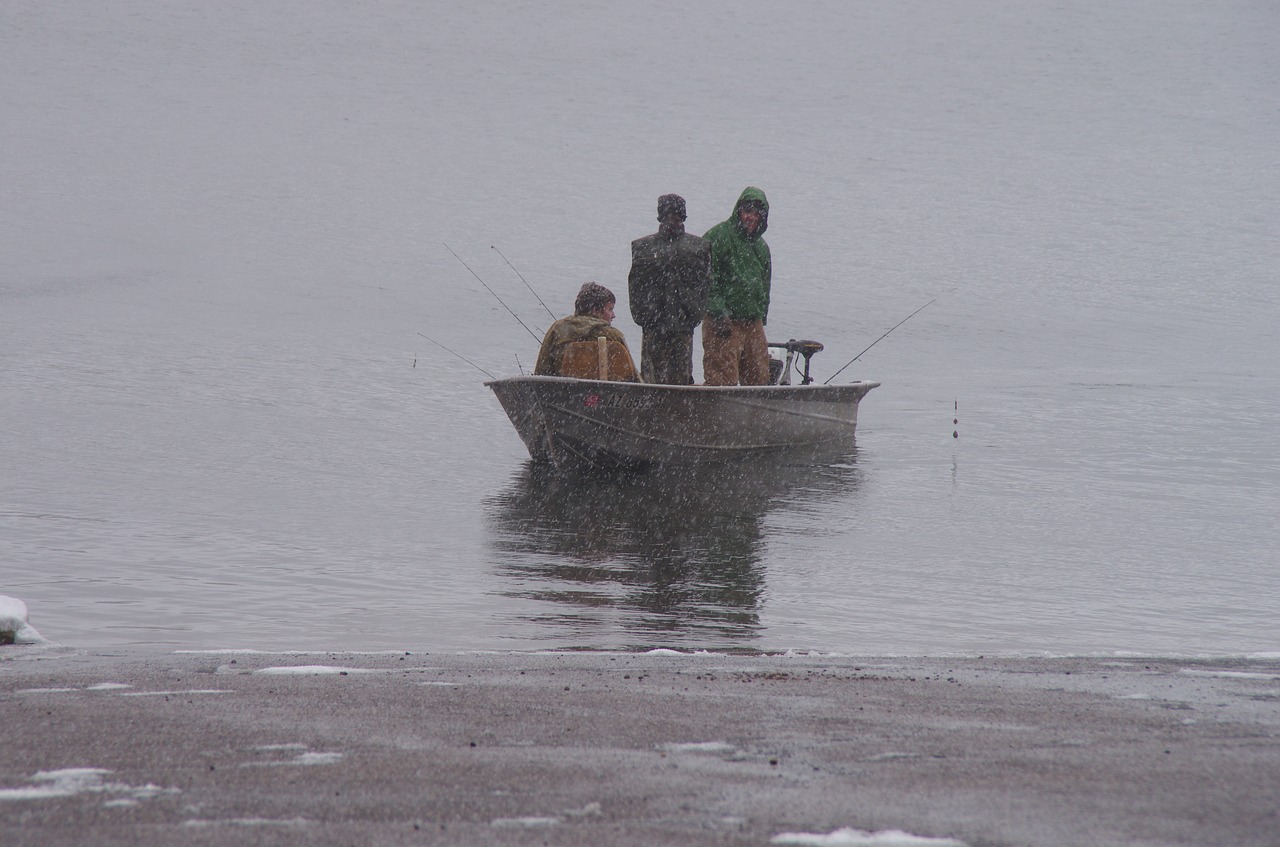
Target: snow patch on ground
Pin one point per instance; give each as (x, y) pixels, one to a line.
(861, 838)
(118, 688)
(69, 782)
(712, 747)
(312, 670)
(248, 651)
(891, 756)
(186, 692)
(524, 822)
(198, 823)
(1229, 674)
(302, 757)
(591, 810)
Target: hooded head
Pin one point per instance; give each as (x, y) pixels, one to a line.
(752, 197)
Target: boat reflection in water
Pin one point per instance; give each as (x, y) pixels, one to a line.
(670, 557)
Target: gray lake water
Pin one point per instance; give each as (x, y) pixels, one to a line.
(225, 225)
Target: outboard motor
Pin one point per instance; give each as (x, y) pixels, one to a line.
(780, 370)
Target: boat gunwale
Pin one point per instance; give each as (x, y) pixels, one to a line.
(543, 411)
(700, 389)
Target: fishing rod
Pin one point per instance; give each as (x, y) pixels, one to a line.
(881, 338)
(459, 355)
(525, 281)
(495, 296)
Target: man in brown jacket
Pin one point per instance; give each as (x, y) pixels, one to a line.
(592, 314)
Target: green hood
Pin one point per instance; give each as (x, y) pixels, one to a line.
(741, 266)
(750, 194)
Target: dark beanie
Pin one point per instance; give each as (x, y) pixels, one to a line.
(591, 298)
(669, 203)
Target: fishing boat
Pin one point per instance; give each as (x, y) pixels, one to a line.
(601, 423)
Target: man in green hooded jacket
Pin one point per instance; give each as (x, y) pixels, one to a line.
(734, 348)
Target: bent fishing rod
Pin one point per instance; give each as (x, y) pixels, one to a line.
(525, 281)
(495, 296)
(881, 338)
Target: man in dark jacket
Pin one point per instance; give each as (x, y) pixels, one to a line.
(667, 288)
(734, 349)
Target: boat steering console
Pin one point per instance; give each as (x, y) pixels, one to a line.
(805, 349)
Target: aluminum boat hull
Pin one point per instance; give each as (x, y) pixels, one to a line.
(573, 421)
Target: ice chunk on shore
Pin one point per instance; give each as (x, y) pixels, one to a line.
(14, 628)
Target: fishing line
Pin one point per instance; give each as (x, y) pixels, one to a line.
(522, 279)
(459, 355)
(495, 296)
(881, 338)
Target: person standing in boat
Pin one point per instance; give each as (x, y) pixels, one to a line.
(667, 291)
(591, 319)
(734, 348)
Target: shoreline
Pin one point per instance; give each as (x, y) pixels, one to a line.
(623, 748)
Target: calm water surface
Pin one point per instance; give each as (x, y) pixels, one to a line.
(222, 428)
